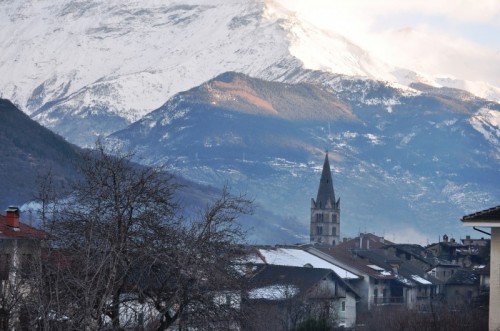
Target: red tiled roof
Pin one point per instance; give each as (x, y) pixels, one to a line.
(23, 231)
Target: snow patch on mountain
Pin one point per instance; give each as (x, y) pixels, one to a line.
(487, 122)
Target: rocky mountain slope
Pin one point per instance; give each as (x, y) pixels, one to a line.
(30, 152)
(404, 159)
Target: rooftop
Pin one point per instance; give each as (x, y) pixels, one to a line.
(488, 217)
(294, 257)
(23, 231)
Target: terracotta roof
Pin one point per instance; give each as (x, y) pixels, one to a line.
(418, 252)
(366, 240)
(378, 264)
(23, 231)
(350, 258)
(487, 215)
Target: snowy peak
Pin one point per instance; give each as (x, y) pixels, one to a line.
(108, 63)
(50, 42)
(327, 51)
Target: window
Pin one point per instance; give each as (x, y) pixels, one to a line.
(26, 265)
(343, 305)
(375, 294)
(319, 230)
(319, 217)
(334, 218)
(4, 266)
(334, 231)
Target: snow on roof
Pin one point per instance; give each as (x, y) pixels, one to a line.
(274, 292)
(404, 280)
(375, 267)
(420, 280)
(298, 258)
(382, 271)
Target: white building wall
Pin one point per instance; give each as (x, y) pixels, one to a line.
(494, 321)
(347, 317)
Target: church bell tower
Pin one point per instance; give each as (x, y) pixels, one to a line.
(325, 211)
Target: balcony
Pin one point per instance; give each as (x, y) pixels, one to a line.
(388, 300)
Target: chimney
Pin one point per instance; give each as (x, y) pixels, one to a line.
(12, 217)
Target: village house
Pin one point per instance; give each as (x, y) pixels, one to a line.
(468, 253)
(490, 218)
(386, 279)
(299, 257)
(462, 289)
(20, 246)
(284, 298)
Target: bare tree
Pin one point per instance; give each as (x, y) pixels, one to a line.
(121, 255)
(441, 318)
(206, 287)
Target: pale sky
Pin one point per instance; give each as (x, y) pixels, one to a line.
(459, 38)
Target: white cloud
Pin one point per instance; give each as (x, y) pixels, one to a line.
(408, 236)
(460, 40)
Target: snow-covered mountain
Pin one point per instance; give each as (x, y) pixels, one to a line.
(104, 64)
(416, 147)
(402, 162)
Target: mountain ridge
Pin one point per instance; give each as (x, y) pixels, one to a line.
(107, 64)
(31, 152)
(415, 157)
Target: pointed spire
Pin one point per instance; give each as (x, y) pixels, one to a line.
(326, 194)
